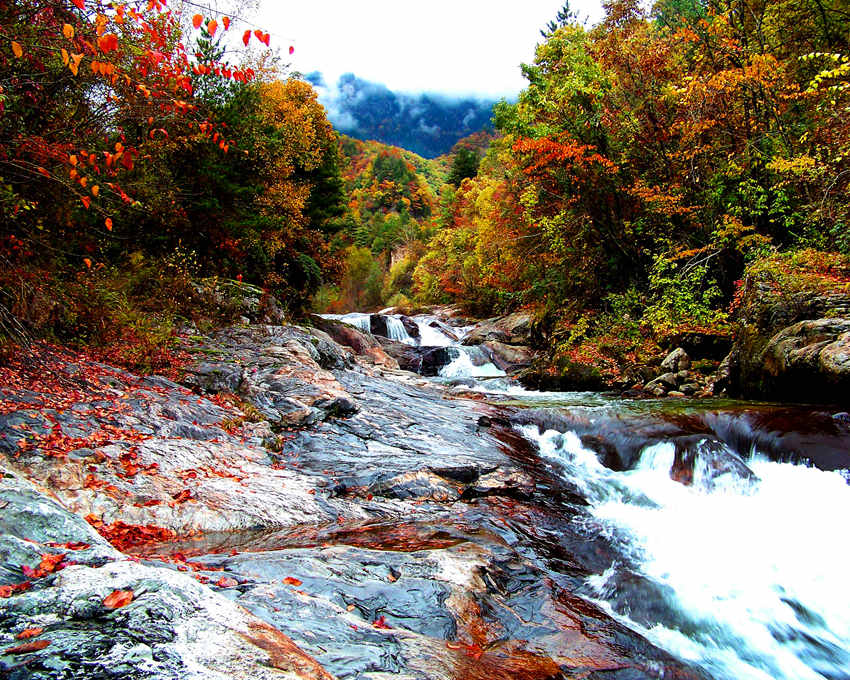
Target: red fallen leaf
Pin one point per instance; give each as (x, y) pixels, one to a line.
(182, 496)
(381, 622)
(290, 581)
(118, 598)
(8, 591)
(227, 582)
(29, 633)
(28, 647)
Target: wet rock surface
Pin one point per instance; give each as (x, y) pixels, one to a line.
(172, 628)
(365, 519)
(794, 346)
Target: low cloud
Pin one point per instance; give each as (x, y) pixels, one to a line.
(428, 124)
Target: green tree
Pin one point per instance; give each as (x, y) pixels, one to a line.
(465, 164)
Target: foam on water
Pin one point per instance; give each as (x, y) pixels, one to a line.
(757, 569)
(396, 331)
(462, 366)
(356, 319)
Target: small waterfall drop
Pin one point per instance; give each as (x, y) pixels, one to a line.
(396, 331)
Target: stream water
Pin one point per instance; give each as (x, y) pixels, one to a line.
(729, 549)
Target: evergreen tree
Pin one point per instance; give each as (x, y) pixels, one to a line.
(564, 17)
(465, 165)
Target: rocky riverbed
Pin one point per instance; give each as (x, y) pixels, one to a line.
(289, 510)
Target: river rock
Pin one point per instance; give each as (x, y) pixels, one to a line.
(509, 357)
(791, 344)
(362, 344)
(514, 329)
(677, 360)
(173, 627)
(435, 358)
(410, 326)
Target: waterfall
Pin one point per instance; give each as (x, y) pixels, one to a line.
(396, 331)
(470, 362)
(361, 321)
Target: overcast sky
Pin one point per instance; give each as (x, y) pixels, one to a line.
(448, 46)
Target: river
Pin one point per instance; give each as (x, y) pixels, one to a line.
(726, 532)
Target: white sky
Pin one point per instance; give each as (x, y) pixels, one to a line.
(447, 46)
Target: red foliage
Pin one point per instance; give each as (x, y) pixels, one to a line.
(125, 536)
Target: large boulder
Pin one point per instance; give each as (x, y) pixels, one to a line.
(792, 338)
(362, 344)
(513, 329)
(809, 361)
(509, 357)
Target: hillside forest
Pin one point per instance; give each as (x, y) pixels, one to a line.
(153, 159)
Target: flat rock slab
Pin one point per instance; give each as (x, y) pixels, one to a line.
(173, 628)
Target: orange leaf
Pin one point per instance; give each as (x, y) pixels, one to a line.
(75, 63)
(65, 56)
(68, 31)
(73, 159)
(95, 190)
(29, 633)
(246, 36)
(87, 262)
(266, 37)
(196, 20)
(17, 50)
(28, 647)
(211, 27)
(118, 598)
(79, 3)
(226, 22)
(291, 581)
(227, 582)
(86, 201)
(108, 224)
(43, 171)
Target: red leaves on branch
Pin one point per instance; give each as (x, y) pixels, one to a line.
(246, 37)
(197, 20)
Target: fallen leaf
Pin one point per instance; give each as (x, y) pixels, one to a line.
(17, 50)
(227, 582)
(118, 598)
(290, 581)
(28, 647)
(29, 633)
(381, 622)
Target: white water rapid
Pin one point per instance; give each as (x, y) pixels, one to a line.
(751, 573)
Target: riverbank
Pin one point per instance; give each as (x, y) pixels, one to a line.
(296, 507)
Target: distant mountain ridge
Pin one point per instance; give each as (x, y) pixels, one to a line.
(427, 124)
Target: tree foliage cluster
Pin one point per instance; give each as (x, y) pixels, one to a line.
(139, 151)
(649, 159)
(393, 206)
